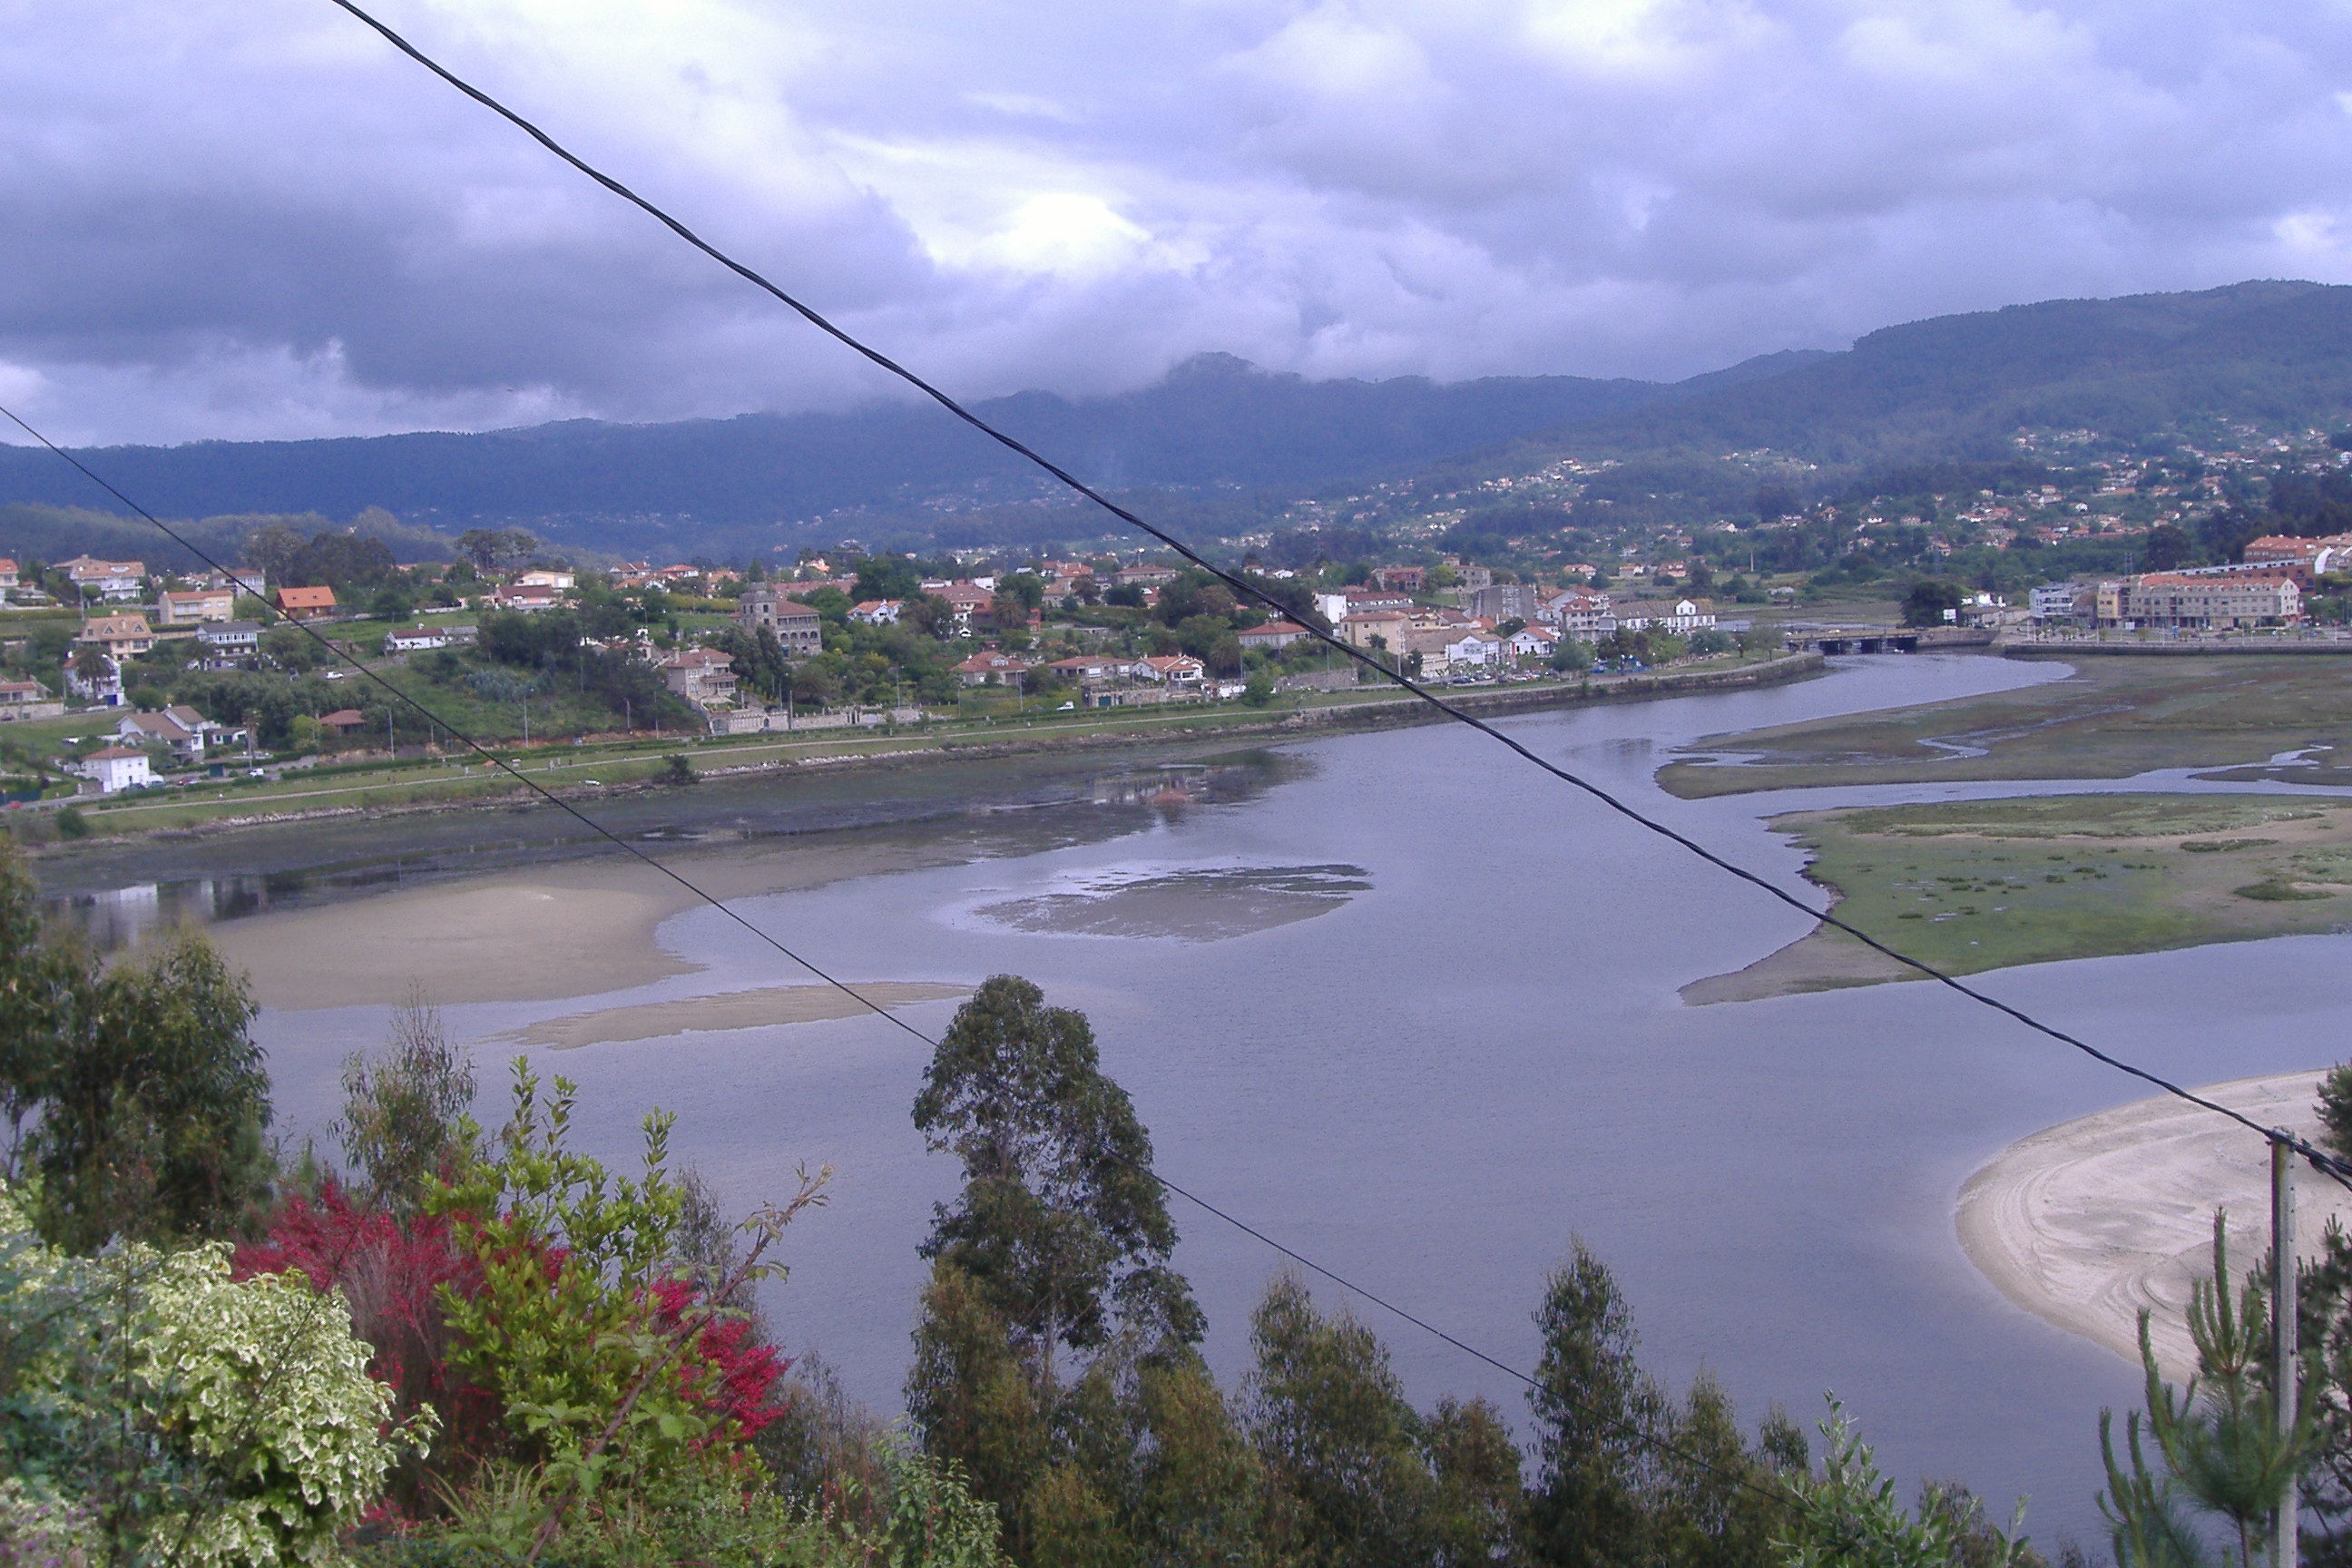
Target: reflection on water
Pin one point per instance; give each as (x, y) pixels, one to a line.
(1189, 904)
(120, 894)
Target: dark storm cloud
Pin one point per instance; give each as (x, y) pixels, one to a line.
(239, 219)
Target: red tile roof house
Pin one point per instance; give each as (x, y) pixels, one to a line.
(990, 669)
(701, 675)
(1274, 634)
(306, 603)
(344, 721)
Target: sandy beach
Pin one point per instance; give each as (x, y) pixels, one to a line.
(2085, 1223)
(581, 928)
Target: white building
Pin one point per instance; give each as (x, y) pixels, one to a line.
(226, 642)
(1680, 615)
(116, 768)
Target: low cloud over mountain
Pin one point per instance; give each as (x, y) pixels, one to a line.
(253, 219)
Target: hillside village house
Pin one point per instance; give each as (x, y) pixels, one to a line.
(1145, 576)
(1534, 641)
(9, 584)
(186, 731)
(306, 603)
(798, 629)
(991, 668)
(878, 612)
(1405, 579)
(250, 581)
(526, 597)
(701, 675)
(1272, 635)
(93, 676)
(1092, 667)
(561, 581)
(1375, 629)
(120, 580)
(1677, 615)
(1175, 669)
(971, 605)
(28, 699)
(119, 636)
(114, 768)
(192, 606)
(344, 721)
(423, 639)
(1581, 613)
(226, 642)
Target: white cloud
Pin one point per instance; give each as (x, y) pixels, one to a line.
(257, 220)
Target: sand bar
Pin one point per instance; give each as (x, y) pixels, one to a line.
(726, 1010)
(581, 928)
(2085, 1223)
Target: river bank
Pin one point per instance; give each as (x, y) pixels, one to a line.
(640, 772)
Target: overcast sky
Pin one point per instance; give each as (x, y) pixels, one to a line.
(238, 218)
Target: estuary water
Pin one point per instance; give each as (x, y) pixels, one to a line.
(1410, 1005)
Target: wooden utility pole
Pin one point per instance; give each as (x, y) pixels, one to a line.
(2286, 1385)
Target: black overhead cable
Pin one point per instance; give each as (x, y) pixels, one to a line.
(2339, 1170)
(1740, 1477)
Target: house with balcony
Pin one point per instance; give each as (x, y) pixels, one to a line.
(226, 644)
(193, 607)
(119, 636)
(703, 676)
(991, 668)
(119, 581)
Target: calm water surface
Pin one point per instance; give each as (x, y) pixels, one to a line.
(1411, 1006)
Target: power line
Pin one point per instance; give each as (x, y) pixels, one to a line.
(2340, 1171)
(845, 988)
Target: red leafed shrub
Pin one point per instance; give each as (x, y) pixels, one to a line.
(746, 1369)
(390, 1270)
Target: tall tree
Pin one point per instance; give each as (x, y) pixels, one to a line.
(152, 1120)
(1060, 1226)
(1342, 1445)
(42, 988)
(1595, 1411)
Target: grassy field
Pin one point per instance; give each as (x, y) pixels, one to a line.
(2114, 718)
(1979, 885)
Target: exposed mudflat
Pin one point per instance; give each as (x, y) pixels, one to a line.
(760, 1008)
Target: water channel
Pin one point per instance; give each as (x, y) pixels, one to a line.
(1411, 1006)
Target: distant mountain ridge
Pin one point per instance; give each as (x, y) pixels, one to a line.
(1214, 421)
(1958, 388)
(1950, 388)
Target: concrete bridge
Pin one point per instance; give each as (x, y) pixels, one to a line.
(1883, 639)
